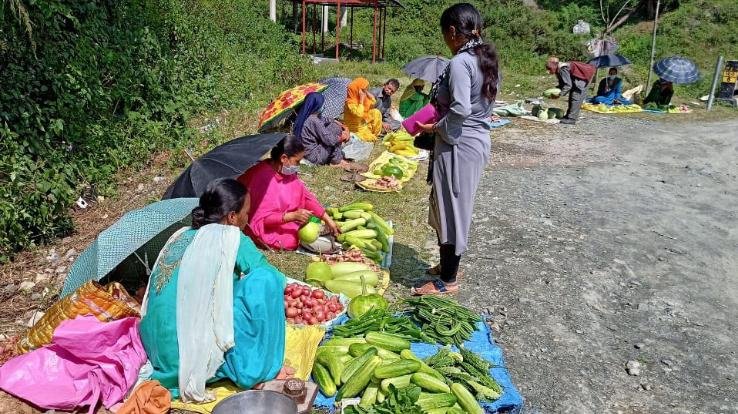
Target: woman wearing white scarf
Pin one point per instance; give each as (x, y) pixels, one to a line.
(198, 324)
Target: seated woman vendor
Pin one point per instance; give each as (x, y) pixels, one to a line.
(610, 90)
(321, 137)
(281, 203)
(359, 113)
(413, 98)
(213, 308)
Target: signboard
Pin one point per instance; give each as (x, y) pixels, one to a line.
(729, 81)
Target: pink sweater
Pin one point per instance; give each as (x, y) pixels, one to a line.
(272, 195)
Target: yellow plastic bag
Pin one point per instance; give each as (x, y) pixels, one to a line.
(301, 344)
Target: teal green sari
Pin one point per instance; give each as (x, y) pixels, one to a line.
(258, 317)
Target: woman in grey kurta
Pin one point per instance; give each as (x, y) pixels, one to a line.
(321, 137)
(463, 98)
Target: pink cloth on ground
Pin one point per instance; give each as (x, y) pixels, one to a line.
(272, 195)
(88, 361)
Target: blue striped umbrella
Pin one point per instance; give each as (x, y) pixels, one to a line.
(677, 69)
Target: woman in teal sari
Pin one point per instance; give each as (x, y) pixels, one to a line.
(213, 306)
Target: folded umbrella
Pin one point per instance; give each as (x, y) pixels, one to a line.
(335, 96)
(677, 69)
(609, 61)
(428, 68)
(227, 160)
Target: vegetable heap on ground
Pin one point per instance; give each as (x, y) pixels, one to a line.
(343, 277)
(442, 319)
(362, 229)
(401, 143)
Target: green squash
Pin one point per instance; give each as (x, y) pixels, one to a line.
(392, 170)
(365, 302)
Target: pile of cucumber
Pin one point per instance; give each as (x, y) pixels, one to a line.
(363, 229)
(367, 366)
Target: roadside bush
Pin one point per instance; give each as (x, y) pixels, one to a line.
(99, 85)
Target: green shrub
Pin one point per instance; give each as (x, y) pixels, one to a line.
(98, 86)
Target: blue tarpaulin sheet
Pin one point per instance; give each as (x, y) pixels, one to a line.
(481, 342)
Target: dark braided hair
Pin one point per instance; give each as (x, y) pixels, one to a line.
(468, 23)
(221, 196)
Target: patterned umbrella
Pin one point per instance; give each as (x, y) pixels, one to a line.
(335, 96)
(428, 68)
(609, 61)
(131, 245)
(677, 69)
(280, 108)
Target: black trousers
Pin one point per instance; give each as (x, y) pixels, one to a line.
(449, 263)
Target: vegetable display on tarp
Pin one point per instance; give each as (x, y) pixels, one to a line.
(442, 319)
(304, 305)
(394, 356)
(388, 173)
(611, 109)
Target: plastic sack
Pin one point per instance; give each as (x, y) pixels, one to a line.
(301, 344)
(581, 28)
(107, 303)
(88, 362)
(356, 149)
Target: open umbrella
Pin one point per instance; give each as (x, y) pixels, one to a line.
(131, 245)
(335, 96)
(281, 107)
(428, 68)
(677, 69)
(609, 61)
(227, 160)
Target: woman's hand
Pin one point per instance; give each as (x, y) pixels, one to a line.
(286, 372)
(429, 128)
(362, 96)
(301, 216)
(331, 224)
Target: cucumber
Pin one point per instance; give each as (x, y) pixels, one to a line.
(465, 399)
(430, 383)
(334, 365)
(359, 349)
(408, 354)
(359, 380)
(323, 378)
(340, 342)
(369, 397)
(387, 341)
(435, 401)
(398, 382)
(354, 365)
(396, 369)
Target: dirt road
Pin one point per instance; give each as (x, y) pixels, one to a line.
(593, 249)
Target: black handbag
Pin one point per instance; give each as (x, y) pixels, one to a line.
(425, 140)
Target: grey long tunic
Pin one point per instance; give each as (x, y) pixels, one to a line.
(462, 150)
(322, 140)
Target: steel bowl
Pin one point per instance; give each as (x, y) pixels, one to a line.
(256, 402)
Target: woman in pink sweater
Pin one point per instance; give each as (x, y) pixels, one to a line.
(280, 201)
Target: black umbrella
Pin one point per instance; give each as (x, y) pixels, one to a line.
(609, 61)
(228, 160)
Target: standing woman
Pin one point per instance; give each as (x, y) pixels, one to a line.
(463, 97)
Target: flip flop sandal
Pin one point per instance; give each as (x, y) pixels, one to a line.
(440, 288)
(436, 271)
(349, 177)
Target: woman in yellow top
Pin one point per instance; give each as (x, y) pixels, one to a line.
(359, 114)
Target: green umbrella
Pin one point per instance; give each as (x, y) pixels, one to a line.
(127, 250)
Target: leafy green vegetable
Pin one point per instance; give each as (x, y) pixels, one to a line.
(398, 401)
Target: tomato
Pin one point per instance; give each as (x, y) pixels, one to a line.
(291, 312)
(332, 307)
(305, 291)
(298, 320)
(297, 304)
(320, 315)
(313, 320)
(295, 294)
(318, 294)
